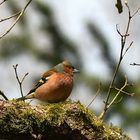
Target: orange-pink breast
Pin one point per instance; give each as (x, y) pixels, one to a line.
(56, 89)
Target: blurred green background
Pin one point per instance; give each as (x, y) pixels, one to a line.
(83, 32)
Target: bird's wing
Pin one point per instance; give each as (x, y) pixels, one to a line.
(40, 82)
(43, 80)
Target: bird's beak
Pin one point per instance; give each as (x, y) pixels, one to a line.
(75, 71)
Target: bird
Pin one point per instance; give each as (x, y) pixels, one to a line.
(55, 85)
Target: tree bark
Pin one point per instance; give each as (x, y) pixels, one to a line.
(61, 121)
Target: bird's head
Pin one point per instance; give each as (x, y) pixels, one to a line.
(66, 67)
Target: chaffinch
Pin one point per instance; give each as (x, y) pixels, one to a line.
(55, 85)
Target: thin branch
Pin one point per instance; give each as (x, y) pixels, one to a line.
(113, 100)
(3, 95)
(97, 93)
(122, 54)
(135, 64)
(3, 2)
(122, 91)
(17, 19)
(123, 40)
(118, 30)
(135, 12)
(4, 19)
(20, 82)
(127, 49)
(24, 77)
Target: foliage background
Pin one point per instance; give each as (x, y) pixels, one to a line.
(83, 32)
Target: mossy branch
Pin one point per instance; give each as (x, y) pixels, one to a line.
(67, 121)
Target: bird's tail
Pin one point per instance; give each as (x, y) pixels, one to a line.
(28, 96)
(21, 98)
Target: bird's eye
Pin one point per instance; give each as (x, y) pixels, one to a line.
(43, 78)
(73, 67)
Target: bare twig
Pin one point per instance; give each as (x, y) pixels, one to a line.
(97, 93)
(4, 19)
(20, 82)
(135, 64)
(3, 95)
(17, 19)
(129, 94)
(136, 12)
(121, 89)
(127, 49)
(122, 54)
(118, 30)
(2, 2)
(114, 99)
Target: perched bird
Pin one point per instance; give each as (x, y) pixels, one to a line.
(55, 85)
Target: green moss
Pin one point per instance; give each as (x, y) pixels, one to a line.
(61, 119)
